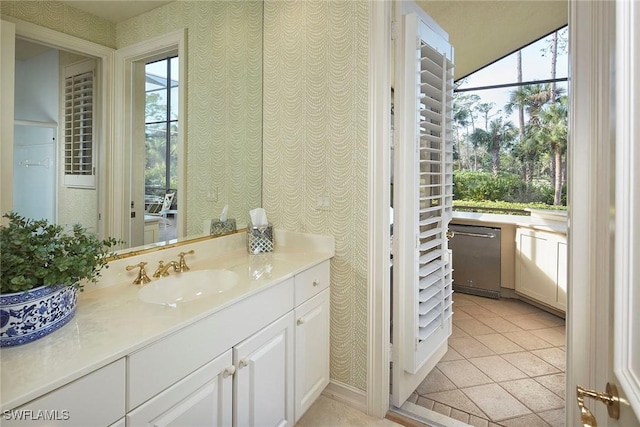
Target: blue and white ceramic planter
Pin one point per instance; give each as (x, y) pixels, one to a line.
(30, 315)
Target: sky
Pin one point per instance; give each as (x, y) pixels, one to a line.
(535, 66)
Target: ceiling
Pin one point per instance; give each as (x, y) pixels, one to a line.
(480, 31)
(115, 11)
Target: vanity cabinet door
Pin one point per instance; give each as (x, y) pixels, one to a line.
(95, 399)
(312, 351)
(263, 394)
(203, 398)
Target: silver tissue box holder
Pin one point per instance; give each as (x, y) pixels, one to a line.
(259, 238)
(222, 227)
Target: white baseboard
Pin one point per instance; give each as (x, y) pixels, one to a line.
(347, 394)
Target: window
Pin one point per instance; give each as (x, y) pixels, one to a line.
(79, 139)
(161, 126)
(510, 123)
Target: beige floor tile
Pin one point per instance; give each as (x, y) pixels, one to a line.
(497, 368)
(460, 315)
(425, 403)
(474, 327)
(458, 400)
(533, 395)
(413, 398)
(530, 364)
(328, 412)
(528, 321)
(554, 356)
(550, 319)
(442, 409)
(459, 415)
(434, 382)
(463, 374)
(530, 420)
(554, 418)
(477, 421)
(494, 401)
(555, 336)
(460, 300)
(470, 347)
(499, 344)
(450, 355)
(456, 332)
(499, 324)
(476, 311)
(527, 340)
(555, 383)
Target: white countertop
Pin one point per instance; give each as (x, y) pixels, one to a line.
(554, 224)
(112, 322)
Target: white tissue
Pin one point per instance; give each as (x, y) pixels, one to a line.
(258, 217)
(223, 215)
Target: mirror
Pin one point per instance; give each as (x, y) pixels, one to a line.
(223, 135)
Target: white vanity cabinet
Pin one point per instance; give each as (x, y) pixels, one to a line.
(259, 362)
(94, 399)
(311, 336)
(264, 377)
(541, 266)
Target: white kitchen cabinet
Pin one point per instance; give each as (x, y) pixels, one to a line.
(203, 398)
(311, 351)
(541, 267)
(263, 393)
(96, 399)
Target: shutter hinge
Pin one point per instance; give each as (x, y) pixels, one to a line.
(390, 351)
(394, 30)
(418, 43)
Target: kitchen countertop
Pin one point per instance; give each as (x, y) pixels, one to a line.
(555, 223)
(111, 322)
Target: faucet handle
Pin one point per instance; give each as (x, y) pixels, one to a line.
(142, 277)
(158, 271)
(182, 266)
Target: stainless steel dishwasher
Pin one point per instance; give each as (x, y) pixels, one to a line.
(476, 260)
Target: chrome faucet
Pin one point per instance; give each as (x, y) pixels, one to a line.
(163, 270)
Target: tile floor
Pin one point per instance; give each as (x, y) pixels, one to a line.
(326, 412)
(505, 366)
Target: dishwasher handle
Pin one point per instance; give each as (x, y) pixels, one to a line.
(483, 235)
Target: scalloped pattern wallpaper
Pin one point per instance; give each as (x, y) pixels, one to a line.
(224, 101)
(60, 17)
(316, 144)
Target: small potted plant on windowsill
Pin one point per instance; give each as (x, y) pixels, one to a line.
(42, 267)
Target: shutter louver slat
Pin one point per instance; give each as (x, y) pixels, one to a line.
(79, 139)
(435, 285)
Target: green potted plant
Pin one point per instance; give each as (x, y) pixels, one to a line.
(42, 267)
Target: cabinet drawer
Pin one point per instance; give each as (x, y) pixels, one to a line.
(95, 399)
(311, 282)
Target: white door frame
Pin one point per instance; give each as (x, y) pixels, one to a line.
(123, 118)
(590, 238)
(592, 33)
(103, 55)
(378, 278)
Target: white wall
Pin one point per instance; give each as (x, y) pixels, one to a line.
(36, 88)
(34, 169)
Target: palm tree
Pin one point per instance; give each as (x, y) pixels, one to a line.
(552, 132)
(499, 135)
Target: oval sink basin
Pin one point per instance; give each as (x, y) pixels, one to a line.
(188, 286)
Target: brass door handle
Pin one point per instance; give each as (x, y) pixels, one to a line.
(609, 398)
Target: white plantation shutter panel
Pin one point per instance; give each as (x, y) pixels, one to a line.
(79, 109)
(428, 197)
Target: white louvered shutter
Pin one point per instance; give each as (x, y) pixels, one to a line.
(423, 197)
(79, 113)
